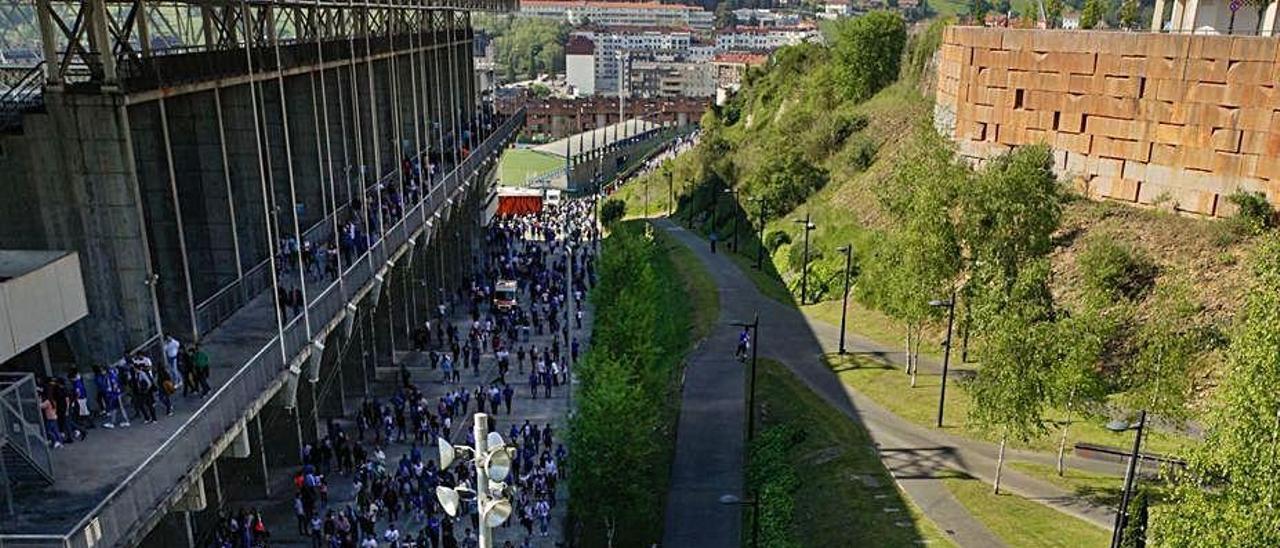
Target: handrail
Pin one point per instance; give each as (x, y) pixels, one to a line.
(449, 182)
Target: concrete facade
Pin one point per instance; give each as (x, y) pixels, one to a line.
(176, 199)
(1181, 121)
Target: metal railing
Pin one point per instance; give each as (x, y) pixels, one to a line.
(23, 435)
(159, 477)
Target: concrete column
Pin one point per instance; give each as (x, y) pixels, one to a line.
(245, 477)
(205, 522)
(282, 429)
(304, 152)
(206, 206)
(1269, 19)
(1189, 15)
(331, 395)
(174, 530)
(245, 178)
(352, 364)
(163, 214)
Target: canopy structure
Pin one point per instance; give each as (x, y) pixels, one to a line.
(589, 141)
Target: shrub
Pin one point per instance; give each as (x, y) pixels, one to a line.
(776, 239)
(861, 153)
(1112, 270)
(1255, 213)
(612, 210)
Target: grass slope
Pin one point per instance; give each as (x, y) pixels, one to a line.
(843, 488)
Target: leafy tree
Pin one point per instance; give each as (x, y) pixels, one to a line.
(979, 9)
(1128, 14)
(868, 52)
(922, 260)
(1076, 380)
(612, 211)
(784, 179)
(1019, 350)
(1093, 13)
(1053, 11)
(1007, 218)
(1228, 493)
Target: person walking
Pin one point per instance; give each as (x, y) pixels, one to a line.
(171, 349)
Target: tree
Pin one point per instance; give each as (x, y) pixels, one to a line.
(784, 179)
(868, 53)
(612, 211)
(1129, 14)
(978, 9)
(1007, 218)
(1053, 11)
(1228, 492)
(1019, 350)
(1076, 381)
(919, 260)
(1093, 13)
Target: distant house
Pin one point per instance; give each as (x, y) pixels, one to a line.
(1071, 21)
(835, 9)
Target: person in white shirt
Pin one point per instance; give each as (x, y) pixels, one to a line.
(171, 349)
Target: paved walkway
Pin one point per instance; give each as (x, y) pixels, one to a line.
(540, 411)
(917, 457)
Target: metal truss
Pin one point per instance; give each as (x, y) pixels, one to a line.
(74, 36)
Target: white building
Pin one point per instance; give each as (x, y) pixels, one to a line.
(835, 9)
(611, 48)
(580, 66)
(1216, 17)
(630, 14)
(763, 38)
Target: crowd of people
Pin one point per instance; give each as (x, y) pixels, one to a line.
(382, 203)
(122, 392)
(389, 492)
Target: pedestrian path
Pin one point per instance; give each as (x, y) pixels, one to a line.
(538, 411)
(917, 457)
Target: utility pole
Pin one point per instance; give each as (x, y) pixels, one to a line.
(804, 269)
(946, 355)
(760, 246)
(671, 195)
(480, 429)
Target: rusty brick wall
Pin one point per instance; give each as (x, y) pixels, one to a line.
(1136, 117)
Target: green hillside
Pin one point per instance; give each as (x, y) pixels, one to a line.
(1068, 307)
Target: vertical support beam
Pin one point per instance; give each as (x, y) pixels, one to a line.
(100, 41)
(49, 44)
(177, 215)
(1157, 17)
(226, 171)
(141, 24)
(1269, 17)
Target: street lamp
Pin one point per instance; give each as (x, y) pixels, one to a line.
(946, 355)
(492, 460)
(734, 193)
(754, 328)
(671, 195)
(754, 503)
(715, 204)
(844, 304)
(804, 269)
(1122, 516)
(760, 246)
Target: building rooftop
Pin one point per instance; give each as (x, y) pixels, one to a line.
(607, 5)
(17, 262)
(597, 138)
(579, 45)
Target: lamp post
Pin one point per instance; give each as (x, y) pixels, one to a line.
(760, 243)
(946, 355)
(844, 304)
(754, 329)
(734, 193)
(754, 503)
(804, 269)
(715, 204)
(671, 194)
(1122, 515)
(646, 197)
(492, 460)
